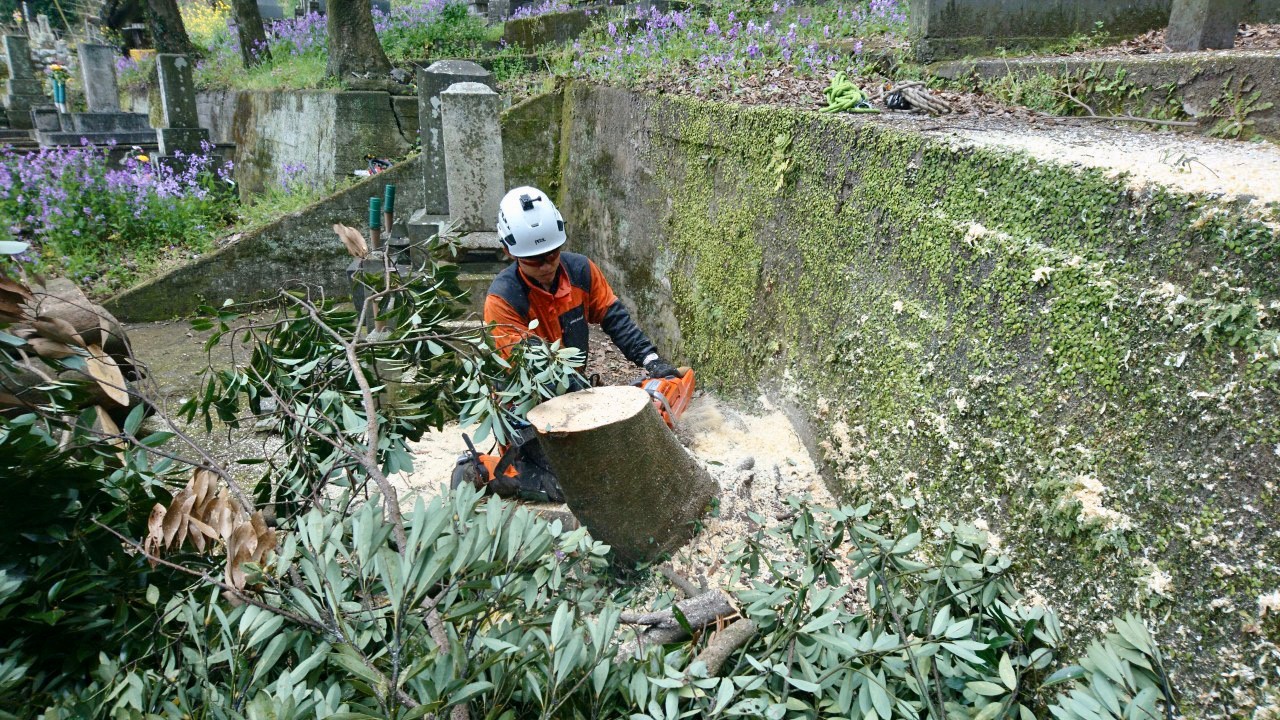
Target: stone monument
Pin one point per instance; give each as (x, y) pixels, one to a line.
(181, 129)
(1204, 24)
(473, 155)
(433, 80)
(98, 70)
(23, 90)
(103, 122)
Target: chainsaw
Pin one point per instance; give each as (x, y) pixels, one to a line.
(520, 469)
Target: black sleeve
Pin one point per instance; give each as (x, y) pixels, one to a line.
(624, 332)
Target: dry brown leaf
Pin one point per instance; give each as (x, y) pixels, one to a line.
(55, 328)
(51, 349)
(198, 532)
(202, 485)
(7, 400)
(11, 311)
(175, 518)
(222, 515)
(266, 539)
(155, 532)
(352, 240)
(240, 547)
(107, 374)
(111, 430)
(15, 287)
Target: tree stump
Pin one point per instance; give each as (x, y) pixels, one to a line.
(624, 474)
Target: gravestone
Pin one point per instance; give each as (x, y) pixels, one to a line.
(433, 80)
(104, 123)
(181, 129)
(473, 154)
(98, 70)
(23, 89)
(270, 10)
(1204, 24)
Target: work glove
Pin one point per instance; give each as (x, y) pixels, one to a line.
(659, 368)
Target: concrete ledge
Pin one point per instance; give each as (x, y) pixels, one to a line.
(953, 28)
(1186, 84)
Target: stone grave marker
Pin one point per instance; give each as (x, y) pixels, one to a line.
(181, 129)
(98, 70)
(473, 154)
(433, 80)
(23, 89)
(1204, 24)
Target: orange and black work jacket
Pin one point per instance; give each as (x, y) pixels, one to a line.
(581, 296)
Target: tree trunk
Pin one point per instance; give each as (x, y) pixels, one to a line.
(167, 31)
(253, 40)
(624, 474)
(353, 43)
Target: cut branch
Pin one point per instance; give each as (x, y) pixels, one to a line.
(724, 643)
(663, 627)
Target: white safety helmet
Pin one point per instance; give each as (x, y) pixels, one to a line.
(529, 223)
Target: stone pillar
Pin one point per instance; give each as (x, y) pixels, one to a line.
(23, 89)
(98, 70)
(181, 125)
(473, 154)
(433, 80)
(1204, 24)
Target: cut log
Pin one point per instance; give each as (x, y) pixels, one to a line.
(624, 474)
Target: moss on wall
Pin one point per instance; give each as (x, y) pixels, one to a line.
(1021, 343)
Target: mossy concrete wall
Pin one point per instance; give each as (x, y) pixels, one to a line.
(1220, 88)
(304, 136)
(299, 249)
(531, 142)
(531, 33)
(1080, 365)
(953, 28)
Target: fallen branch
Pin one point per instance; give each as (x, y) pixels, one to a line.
(723, 644)
(663, 627)
(682, 583)
(1123, 118)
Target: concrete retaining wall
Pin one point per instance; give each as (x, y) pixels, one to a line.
(531, 142)
(300, 248)
(995, 338)
(341, 128)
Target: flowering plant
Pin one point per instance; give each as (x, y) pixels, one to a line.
(59, 73)
(103, 222)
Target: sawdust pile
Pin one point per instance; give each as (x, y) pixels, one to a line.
(759, 460)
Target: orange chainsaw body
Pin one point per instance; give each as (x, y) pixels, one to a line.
(670, 395)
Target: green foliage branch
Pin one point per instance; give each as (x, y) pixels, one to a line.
(478, 607)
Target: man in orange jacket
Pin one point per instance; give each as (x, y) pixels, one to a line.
(563, 291)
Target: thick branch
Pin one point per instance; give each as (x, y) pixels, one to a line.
(723, 644)
(663, 627)
(369, 460)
